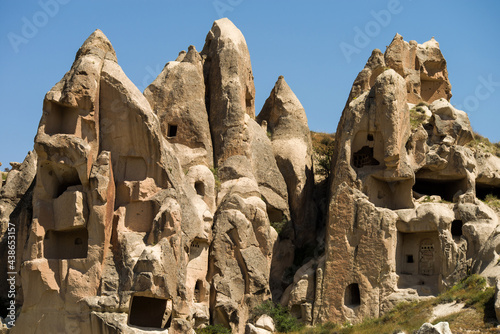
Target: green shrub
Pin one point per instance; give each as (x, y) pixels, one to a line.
(279, 225)
(471, 290)
(492, 201)
(215, 171)
(213, 329)
(323, 146)
(417, 116)
(427, 199)
(327, 328)
(283, 320)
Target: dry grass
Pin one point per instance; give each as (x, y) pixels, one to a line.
(492, 201)
(417, 116)
(478, 315)
(484, 144)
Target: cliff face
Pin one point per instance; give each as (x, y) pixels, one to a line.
(160, 210)
(403, 220)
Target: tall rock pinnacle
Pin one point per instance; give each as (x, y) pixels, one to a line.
(231, 91)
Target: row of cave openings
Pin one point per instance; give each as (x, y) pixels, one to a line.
(73, 243)
(398, 194)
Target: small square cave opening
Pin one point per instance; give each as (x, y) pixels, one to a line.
(352, 297)
(148, 312)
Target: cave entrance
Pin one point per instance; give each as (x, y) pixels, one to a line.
(199, 186)
(149, 312)
(199, 292)
(62, 120)
(431, 90)
(446, 189)
(364, 157)
(275, 215)
(418, 262)
(352, 297)
(172, 130)
(456, 229)
(67, 244)
(484, 190)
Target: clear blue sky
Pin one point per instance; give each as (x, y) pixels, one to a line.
(298, 39)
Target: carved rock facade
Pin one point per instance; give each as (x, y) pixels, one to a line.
(155, 210)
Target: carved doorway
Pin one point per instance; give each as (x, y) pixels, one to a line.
(426, 258)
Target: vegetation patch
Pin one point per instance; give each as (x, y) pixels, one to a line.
(215, 171)
(492, 201)
(213, 329)
(323, 146)
(279, 225)
(283, 320)
(478, 314)
(417, 115)
(484, 144)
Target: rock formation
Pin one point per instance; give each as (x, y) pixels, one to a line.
(291, 139)
(403, 219)
(177, 208)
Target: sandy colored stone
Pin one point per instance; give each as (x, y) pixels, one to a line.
(265, 322)
(231, 91)
(177, 96)
(421, 65)
(162, 210)
(291, 140)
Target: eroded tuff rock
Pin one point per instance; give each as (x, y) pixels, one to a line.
(285, 119)
(15, 215)
(127, 217)
(403, 219)
(156, 210)
(131, 226)
(177, 97)
(421, 65)
(230, 89)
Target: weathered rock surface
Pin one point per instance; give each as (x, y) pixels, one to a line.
(125, 199)
(17, 183)
(15, 218)
(497, 299)
(291, 139)
(385, 243)
(440, 328)
(129, 218)
(177, 97)
(421, 65)
(161, 211)
(240, 256)
(230, 89)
